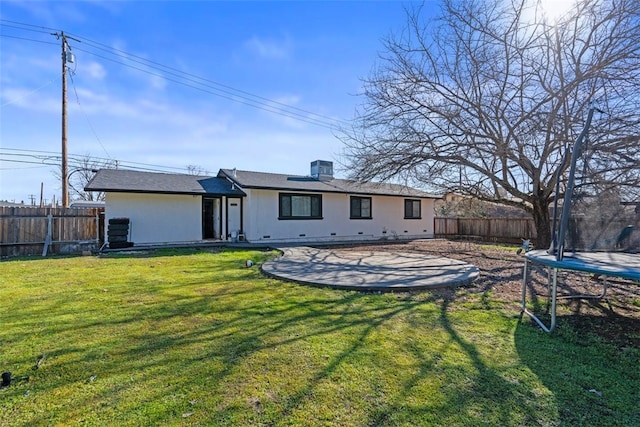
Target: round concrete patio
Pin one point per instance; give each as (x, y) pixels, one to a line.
(369, 270)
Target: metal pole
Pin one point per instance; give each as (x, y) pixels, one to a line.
(524, 284)
(554, 299)
(568, 194)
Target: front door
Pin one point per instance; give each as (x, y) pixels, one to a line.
(211, 218)
(207, 219)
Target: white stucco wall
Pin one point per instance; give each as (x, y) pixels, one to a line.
(157, 218)
(261, 220)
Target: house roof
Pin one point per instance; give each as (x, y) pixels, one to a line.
(128, 181)
(8, 204)
(272, 181)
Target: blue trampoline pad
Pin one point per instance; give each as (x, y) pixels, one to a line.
(618, 264)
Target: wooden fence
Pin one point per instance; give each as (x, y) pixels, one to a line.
(29, 230)
(507, 230)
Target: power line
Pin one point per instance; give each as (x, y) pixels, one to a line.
(216, 92)
(22, 24)
(154, 64)
(25, 29)
(30, 162)
(78, 160)
(20, 169)
(195, 82)
(26, 150)
(27, 39)
(73, 84)
(11, 101)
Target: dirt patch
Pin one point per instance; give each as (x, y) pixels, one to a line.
(616, 317)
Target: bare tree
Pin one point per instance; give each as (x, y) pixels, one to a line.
(196, 170)
(485, 99)
(80, 173)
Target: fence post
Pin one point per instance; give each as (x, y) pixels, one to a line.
(47, 240)
(98, 229)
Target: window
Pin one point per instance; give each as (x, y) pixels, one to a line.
(300, 206)
(412, 209)
(360, 208)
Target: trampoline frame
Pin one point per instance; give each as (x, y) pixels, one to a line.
(606, 264)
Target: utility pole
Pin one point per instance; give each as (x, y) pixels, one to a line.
(66, 56)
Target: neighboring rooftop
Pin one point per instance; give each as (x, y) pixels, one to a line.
(8, 204)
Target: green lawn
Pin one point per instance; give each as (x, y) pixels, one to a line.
(196, 338)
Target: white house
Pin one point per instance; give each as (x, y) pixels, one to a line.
(262, 207)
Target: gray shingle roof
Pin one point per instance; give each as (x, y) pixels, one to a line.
(128, 181)
(272, 181)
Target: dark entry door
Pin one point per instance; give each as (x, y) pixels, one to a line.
(208, 230)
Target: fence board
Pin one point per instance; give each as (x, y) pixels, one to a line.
(23, 230)
(489, 229)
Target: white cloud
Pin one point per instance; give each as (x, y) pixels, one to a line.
(95, 70)
(30, 99)
(32, 68)
(157, 82)
(49, 13)
(270, 48)
(292, 100)
(100, 106)
(39, 11)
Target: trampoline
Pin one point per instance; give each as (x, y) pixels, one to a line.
(593, 227)
(606, 264)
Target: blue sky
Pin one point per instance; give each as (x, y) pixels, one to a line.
(308, 55)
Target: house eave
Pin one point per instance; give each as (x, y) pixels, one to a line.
(361, 193)
(240, 193)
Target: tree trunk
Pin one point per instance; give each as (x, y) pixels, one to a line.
(542, 222)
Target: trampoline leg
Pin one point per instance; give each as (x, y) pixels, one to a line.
(524, 285)
(553, 299)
